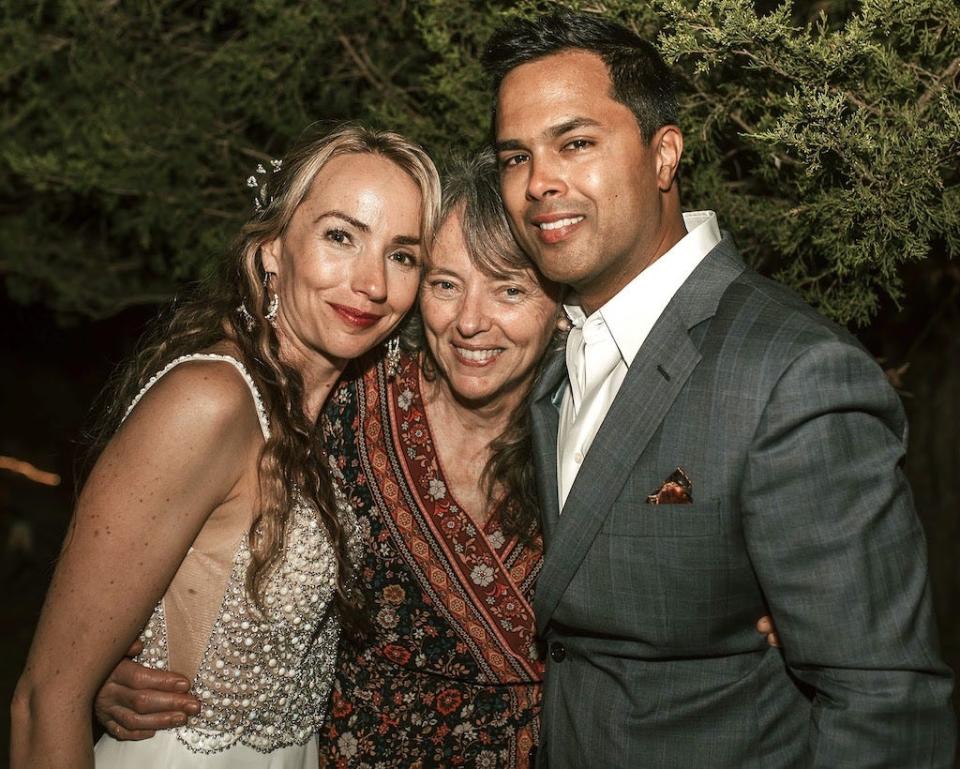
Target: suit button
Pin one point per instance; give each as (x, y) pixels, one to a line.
(558, 652)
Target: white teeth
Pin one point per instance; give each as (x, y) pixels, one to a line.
(477, 355)
(560, 223)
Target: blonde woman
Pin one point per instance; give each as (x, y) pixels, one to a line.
(209, 488)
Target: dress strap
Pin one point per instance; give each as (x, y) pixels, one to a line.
(257, 399)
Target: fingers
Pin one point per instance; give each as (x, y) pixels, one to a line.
(135, 648)
(113, 699)
(133, 676)
(133, 722)
(125, 724)
(144, 712)
(149, 703)
(118, 732)
(766, 627)
(134, 714)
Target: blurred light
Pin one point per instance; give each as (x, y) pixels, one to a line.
(28, 471)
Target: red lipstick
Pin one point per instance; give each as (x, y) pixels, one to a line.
(355, 317)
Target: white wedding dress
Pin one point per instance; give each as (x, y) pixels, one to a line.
(263, 681)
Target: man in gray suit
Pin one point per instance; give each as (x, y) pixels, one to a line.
(723, 451)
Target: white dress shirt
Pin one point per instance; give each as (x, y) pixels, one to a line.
(628, 318)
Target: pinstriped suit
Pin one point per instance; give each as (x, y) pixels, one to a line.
(793, 440)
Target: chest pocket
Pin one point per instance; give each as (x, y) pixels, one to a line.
(634, 517)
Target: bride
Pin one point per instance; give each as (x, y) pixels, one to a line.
(209, 488)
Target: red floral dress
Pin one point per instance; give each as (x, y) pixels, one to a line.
(449, 675)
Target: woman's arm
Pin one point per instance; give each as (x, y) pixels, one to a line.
(181, 454)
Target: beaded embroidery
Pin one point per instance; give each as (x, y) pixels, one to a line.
(264, 681)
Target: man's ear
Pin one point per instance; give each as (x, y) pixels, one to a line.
(270, 255)
(668, 144)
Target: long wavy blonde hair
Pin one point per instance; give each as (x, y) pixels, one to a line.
(292, 461)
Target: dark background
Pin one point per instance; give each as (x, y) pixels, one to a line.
(127, 131)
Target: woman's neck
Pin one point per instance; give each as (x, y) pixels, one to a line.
(486, 421)
(318, 372)
(462, 433)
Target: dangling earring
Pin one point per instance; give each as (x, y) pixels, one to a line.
(271, 313)
(246, 317)
(391, 357)
(274, 305)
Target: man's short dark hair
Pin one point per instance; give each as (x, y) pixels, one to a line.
(640, 77)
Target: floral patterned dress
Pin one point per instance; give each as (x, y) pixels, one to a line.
(449, 674)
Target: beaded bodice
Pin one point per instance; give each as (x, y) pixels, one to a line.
(264, 677)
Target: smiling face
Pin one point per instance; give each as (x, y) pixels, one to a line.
(589, 200)
(487, 334)
(347, 266)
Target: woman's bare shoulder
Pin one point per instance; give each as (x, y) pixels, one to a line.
(199, 395)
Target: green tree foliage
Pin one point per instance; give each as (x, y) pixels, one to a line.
(835, 145)
(828, 146)
(825, 134)
(128, 129)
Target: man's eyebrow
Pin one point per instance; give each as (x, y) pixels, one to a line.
(407, 240)
(345, 217)
(553, 132)
(574, 124)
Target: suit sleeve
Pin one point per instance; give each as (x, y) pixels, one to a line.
(841, 557)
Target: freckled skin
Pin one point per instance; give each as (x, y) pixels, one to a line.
(320, 261)
(188, 452)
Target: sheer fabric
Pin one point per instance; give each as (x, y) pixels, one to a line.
(263, 679)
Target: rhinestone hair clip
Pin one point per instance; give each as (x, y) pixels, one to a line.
(258, 180)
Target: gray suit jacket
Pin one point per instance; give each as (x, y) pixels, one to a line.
(794, 442)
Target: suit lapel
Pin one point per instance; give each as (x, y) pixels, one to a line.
(661, 368)
(545, 414)
(659, 371)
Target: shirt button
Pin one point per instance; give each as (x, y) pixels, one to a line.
(578, 457)
(558, 652)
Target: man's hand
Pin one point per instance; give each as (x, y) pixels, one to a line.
(766, 627)
(136, 701)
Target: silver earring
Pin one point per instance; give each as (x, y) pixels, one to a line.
(274, 305)
(392, 356)
(272, 308)
(246, 317)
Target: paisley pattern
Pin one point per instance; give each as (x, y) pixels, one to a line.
(449, 674)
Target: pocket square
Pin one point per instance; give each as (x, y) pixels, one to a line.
(676, 490)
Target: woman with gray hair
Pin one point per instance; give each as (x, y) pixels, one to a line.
(438, 461)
